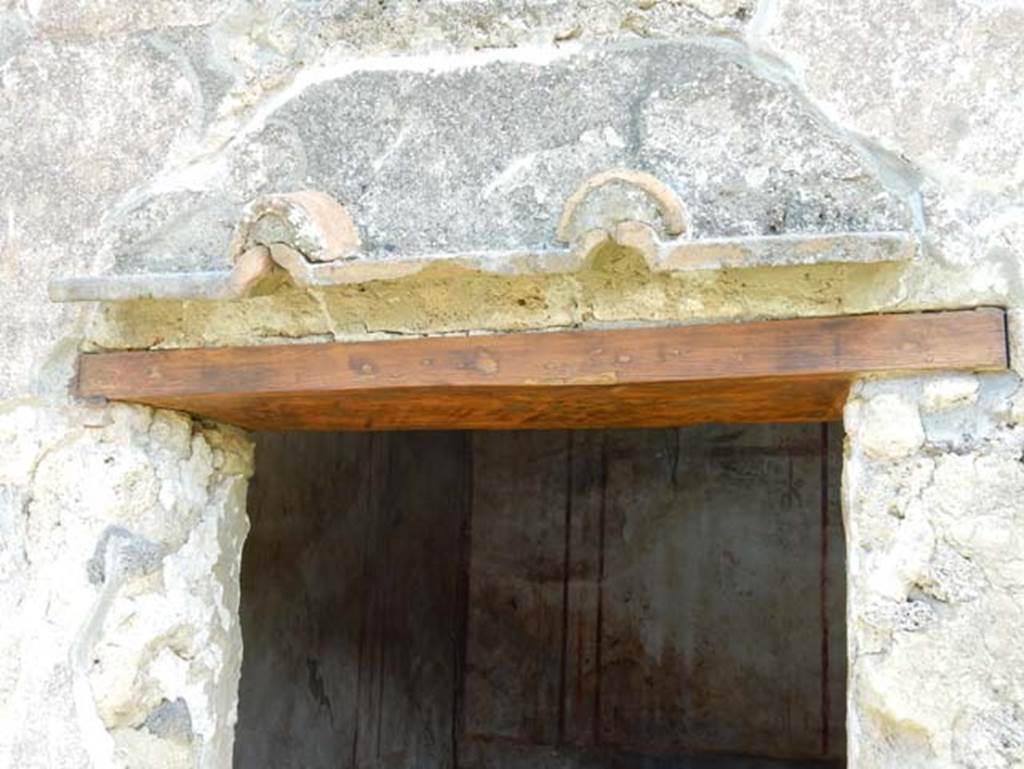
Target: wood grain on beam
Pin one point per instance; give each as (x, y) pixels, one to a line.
(774, 371)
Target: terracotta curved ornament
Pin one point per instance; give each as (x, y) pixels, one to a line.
(673, 214)
(310, 222)
(311, 237)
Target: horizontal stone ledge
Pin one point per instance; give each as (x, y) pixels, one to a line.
(681, 255)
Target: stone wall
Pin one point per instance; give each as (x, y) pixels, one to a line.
(130, 138)
(933, 483)
(132, 133)
(120, 538)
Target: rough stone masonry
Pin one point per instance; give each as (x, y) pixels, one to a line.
(932, 480)
(131, 135)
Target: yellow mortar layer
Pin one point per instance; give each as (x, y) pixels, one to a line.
(614, 288)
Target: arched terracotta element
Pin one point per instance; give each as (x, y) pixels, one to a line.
(310, 222)
(673, 212)
(251, 267)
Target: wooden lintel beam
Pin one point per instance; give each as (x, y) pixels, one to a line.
(773, 371)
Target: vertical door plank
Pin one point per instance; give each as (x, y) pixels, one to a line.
(712, 625)
(413, 614)
(302, 596)
(351, 608)
(582, 641)
(514, 655)
(833, 595)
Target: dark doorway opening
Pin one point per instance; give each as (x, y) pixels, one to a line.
(635, 598)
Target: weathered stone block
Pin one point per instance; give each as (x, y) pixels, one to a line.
(944, 393)
(73, 19)
(887, 426)
(126, 535)
(934, 581)
(79, 126)
(431, 154)
(1015, 329)
(908, 75)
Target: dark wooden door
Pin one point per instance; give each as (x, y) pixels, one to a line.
(544, 599)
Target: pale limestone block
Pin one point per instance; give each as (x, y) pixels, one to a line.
(1015, 329)
(888, 426)
(935, 609)
(121, 616)
(948, 392)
